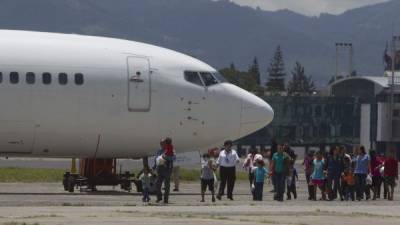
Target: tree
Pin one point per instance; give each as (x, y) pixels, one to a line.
(300, 85)
(254, 71)
(231, 75)
(276, 72)
(241, 79)
(232, 66)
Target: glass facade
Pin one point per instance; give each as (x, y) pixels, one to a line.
(310, 121)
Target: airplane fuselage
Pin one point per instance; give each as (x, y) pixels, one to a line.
(80, 96)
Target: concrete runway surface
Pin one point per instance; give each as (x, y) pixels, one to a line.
(48, 204)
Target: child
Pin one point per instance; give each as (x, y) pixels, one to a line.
(169, 152)
(318, 175)
(207, 177)
(348, 184)
(168, 147)
(259, 176)
(291, 183)
(145, 178)
(391, 174)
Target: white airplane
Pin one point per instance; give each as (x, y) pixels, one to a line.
(65, 95)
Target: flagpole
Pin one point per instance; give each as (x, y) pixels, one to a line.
(391, 108)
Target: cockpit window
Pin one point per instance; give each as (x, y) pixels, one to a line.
(208, 78)
(193, 77)
(219, 77)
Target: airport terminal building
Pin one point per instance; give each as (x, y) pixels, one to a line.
(356, 112)
(379, 120)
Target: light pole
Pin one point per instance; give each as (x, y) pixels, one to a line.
(345, 45)
(392, 86)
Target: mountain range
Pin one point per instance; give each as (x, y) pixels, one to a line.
(221, 32)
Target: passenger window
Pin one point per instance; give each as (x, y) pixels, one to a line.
(63, 78)
(46, 78)
(79, 79)
(1, 77)
(193, 77)
(208, 79)
(14, 77)
(30, 78)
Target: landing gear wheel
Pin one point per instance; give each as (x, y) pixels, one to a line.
(65, 180)
(71, 184)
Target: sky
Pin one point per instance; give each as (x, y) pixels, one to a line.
(309, 7)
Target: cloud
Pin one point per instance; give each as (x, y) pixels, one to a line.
(309, 7)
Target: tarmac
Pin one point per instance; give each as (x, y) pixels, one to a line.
(49, 204)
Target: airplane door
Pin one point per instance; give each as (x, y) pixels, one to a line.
(139, 88)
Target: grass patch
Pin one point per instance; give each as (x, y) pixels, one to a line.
(189, 175)
(26, 175)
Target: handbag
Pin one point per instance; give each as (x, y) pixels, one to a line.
(369, 179)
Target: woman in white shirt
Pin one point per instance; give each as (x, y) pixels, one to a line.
(227, 160)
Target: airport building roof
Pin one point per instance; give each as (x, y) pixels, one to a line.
(365, 88)
(382, 82)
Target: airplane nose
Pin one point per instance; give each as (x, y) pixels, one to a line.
(256, 114)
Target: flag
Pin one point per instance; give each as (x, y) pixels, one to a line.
(387, 59)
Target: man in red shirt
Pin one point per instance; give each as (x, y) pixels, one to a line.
(391, 173)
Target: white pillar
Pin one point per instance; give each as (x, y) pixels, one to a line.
(365, 126)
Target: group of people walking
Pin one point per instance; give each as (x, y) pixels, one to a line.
(164, 167)
(354, 176)
(335, 174)
(279, 167)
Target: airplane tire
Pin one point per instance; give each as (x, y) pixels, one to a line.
(65, 184)
(71, 184)
(66, 177)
